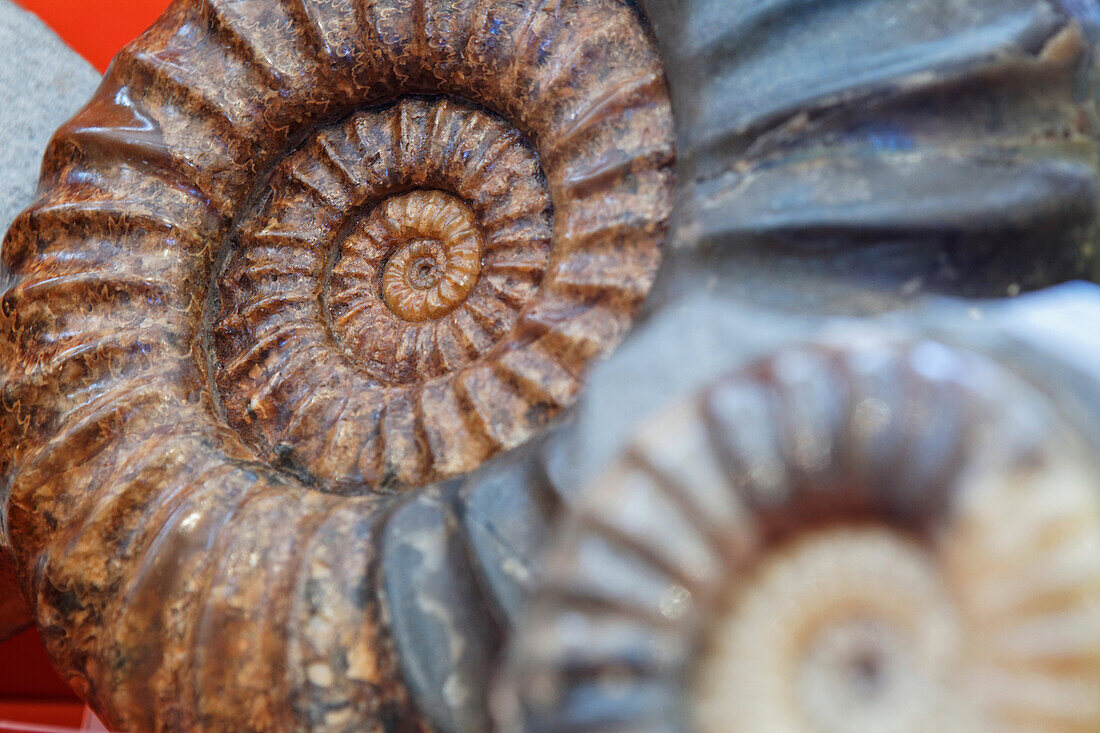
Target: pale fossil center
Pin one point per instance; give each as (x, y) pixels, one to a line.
(847, 631)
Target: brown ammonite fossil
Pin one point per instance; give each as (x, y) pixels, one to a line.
(295, 260)
(404, 250)
(888, 536)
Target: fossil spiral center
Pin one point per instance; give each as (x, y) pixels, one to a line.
(436, 253)
(855, 627)
(427, 265)
(367, 298)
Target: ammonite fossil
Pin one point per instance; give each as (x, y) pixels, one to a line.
(914, 145)
(892, 536)
(43, 84)
(296, 260)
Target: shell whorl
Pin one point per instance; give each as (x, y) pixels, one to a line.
(426, 227)
(439, 257)
(193, 288)
(885, 537)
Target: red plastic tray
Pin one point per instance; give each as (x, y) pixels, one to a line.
(88, 721)
(97, 29)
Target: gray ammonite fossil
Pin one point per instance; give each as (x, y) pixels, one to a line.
(887, 536)
(938, 144)
(295, 264)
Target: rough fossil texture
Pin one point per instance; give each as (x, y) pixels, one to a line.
(213, 476)
(830, 145)
(42, 83)
(892, 535)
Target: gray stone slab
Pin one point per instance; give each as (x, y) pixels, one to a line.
(43, 83)
(445, 637)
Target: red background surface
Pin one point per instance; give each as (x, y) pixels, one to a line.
(97, 29)
(30, 691)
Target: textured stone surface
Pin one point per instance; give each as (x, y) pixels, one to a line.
(458, 561)
(42, 83)
(447, 646)
(828, 148)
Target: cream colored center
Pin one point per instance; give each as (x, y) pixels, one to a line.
(847, 631)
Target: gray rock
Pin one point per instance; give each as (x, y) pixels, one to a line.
(444, 636)
(678, 350)
(881, 146)
(458, 561)
(507, 509)
(1051, 336)
(43, 83)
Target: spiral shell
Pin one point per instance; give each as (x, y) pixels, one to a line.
(888, 537)
(424, 299)
(946, 146)
(204, 453)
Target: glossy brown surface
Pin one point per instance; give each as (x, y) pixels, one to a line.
(421, 380)
(190, 393)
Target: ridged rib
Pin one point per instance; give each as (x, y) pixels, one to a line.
(203, 564)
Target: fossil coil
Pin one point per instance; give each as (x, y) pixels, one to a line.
(423, 293)
(889, 537)
(295, 259)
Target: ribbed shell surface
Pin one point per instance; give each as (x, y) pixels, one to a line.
(191, 569)
(773, 525)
